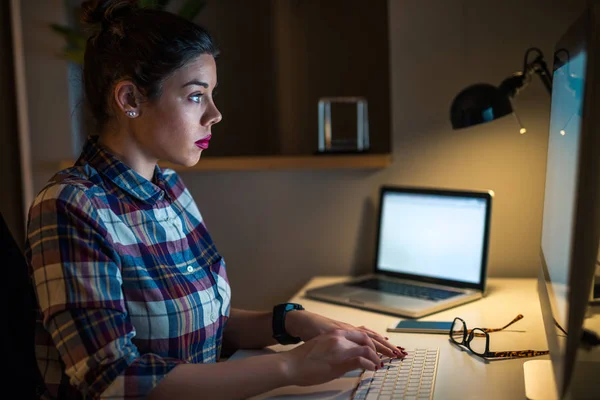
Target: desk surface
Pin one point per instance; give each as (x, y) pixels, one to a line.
(460, 375)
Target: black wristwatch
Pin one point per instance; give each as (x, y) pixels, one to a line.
(279, 332)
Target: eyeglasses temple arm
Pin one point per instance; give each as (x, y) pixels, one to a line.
(516, 354)
(517, 318)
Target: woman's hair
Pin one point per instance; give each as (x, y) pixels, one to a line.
(141, 44)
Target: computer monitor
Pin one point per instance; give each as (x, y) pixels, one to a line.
(571, 216)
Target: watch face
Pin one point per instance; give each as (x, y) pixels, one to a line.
(293, 306)
(289, 307)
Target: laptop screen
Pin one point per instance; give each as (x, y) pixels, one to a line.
(433, 235)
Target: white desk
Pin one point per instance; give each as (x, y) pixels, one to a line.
(460, 375)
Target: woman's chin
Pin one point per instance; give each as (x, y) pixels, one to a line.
(189, 161)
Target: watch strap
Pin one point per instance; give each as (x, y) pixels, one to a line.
(279, 332)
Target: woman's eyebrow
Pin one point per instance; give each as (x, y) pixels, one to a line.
(197, 83)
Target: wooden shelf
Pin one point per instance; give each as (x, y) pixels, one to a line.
(337, 161)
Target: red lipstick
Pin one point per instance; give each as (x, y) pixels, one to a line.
(203, 143)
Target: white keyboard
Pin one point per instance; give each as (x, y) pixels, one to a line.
(411, 378)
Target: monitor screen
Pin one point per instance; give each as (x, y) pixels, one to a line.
(433, 235)
(561, 178)
(560, 197)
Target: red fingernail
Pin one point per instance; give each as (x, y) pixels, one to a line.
(395, 351)
(386, 338)
(376, 368)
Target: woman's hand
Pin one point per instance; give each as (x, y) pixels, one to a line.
(329, 356)
(307, 326)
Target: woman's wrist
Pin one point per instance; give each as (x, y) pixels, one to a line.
(293, 323)
(287, 366)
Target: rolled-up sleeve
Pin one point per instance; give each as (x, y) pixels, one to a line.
(78, 283)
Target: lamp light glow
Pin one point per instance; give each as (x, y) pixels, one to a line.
(522, 129)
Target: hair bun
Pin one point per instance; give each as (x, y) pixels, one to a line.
(105, 12)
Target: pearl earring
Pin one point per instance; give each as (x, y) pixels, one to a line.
(131, 114)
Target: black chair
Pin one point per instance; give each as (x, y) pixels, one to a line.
(18, 324)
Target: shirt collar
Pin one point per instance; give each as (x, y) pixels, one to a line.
(121, 174)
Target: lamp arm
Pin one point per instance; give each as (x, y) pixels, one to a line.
(541, 69)
(538, 65)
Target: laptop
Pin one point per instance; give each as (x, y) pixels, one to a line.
(431, 253)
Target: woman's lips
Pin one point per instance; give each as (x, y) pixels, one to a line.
(203, 143)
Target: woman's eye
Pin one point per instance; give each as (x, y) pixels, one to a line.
(195, 98)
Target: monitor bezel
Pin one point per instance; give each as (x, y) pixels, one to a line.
(467, 194)
(582, 34)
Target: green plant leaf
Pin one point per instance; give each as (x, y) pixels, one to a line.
(74, 38)
(191, 8)
(75, 55)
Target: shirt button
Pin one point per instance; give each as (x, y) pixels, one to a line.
(190, 268)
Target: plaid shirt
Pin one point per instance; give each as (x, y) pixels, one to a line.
(128, 280)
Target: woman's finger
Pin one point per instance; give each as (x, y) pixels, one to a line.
(386, 351)
(364, 328)
(358, 351)
(359, 337)
(356, 363)
(374, 334)
(396, 353)
(383, 345)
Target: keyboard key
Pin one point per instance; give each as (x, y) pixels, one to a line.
(414, 378)
(406, 289)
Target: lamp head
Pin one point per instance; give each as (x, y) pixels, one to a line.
(483, 102)
(479, 103)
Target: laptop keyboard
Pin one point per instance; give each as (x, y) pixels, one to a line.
(410, 378)
(406, 289)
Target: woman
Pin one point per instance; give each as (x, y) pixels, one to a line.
(133, 295)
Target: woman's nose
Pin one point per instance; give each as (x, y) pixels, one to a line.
(211, 116)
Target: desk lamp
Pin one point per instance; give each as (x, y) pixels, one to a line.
(483, 102)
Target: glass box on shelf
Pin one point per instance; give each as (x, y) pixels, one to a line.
(351, 132)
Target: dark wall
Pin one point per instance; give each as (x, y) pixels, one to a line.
(11, 205)
(278, 57)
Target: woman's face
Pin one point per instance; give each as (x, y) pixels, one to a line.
(177, 126)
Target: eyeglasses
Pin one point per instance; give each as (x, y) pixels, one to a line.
(477, 340)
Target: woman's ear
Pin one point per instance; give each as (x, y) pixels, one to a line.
(127, 98)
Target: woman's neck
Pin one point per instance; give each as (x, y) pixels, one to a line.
(128, 150)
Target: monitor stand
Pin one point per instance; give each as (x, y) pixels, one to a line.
(539, 380)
